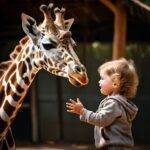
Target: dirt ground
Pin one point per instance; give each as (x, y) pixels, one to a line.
(68, 146)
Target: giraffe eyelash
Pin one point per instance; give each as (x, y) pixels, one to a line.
(53, 42)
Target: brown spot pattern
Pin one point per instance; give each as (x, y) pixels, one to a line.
(27, 50)
(69, 59)
(35, 65)
(13, 78)
(8, 108)
(42, 63)
(3, 125)
(19, 88)
(11, 142)
(24, 40)
(32, 75)
(15, 96)
(10, 71)
(26, 80)
(19, 47)
(8, 89)
(22, 68)
(2, 94)
(49, 61)
(5, 65)
(45, 59)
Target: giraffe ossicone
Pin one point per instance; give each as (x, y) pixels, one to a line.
(47, 46)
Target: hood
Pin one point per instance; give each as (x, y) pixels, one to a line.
(130, 107)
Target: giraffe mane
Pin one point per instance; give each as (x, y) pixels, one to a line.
(18, 48)
(6, 64)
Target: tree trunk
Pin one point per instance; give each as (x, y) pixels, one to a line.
(34, 111)
(120, 27)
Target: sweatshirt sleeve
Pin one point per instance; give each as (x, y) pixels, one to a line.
(105, 116)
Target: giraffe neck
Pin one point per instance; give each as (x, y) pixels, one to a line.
(14, 86)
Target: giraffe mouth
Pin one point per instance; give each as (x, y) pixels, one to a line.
(78, 79)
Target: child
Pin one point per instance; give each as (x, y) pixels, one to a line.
(113, 119)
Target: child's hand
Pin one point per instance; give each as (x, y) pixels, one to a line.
(75, 107)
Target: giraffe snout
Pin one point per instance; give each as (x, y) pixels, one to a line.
(79, 78)
(78, 69)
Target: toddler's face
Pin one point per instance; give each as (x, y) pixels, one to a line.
(105, 84)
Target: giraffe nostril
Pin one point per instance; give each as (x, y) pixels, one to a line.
(78, 69)
(83, 69)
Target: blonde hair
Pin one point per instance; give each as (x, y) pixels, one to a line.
(125, 73)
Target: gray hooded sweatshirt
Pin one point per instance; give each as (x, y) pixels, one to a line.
(113, 122)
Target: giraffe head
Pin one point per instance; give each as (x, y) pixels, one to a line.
(52, 45)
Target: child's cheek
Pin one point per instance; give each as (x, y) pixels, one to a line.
(105, 88)
(104, 85)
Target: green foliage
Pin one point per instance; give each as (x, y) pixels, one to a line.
(140, 50)
(98, 50)
(103, 51)
(146, 1)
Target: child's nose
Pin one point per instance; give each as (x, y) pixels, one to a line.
(99, 82)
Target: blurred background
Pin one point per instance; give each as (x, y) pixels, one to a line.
(43, 117)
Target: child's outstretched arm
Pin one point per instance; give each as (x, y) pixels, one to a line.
(110, 111)
(75, 106)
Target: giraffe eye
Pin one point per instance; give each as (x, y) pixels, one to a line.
(48, 46)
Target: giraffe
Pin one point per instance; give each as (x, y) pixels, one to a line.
(48, 46)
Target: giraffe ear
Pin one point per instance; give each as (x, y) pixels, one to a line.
(29, 26)
(68, 23)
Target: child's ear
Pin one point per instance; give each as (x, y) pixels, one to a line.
(116, 81)
(116, 85)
